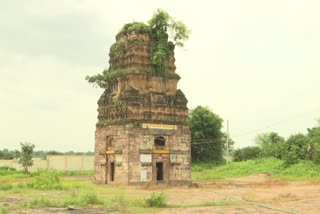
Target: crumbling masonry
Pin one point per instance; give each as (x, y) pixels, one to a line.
(142, 135)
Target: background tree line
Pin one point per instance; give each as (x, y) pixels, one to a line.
(297, 147)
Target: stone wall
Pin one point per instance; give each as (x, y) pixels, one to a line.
(56, 162)
(132, 147)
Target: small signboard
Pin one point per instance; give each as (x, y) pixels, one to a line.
(159, 126)
(109, 152)
(176, 158)
(145, 158)
(160, 151)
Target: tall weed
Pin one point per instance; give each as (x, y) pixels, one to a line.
(156, 200)
(84, 199)
(45, 180)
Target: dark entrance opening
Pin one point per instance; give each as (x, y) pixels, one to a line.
(112, 171)
(159, 141)
(159, 167)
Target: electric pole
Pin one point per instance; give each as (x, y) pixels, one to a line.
(227, 142)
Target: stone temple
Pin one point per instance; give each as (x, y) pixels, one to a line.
(142, 135)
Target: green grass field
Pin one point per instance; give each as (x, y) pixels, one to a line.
(304, 170)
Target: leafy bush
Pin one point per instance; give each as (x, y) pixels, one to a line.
(156, 200)
(7, 168)
(6, 186)
(12, 173)
(296, 148)
(45, 180)
(246, 153)
(89, 198)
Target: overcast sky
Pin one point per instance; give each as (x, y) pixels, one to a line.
(254, 63)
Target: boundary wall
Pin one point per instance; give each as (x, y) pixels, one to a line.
(56, 162)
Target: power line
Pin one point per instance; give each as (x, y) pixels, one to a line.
(205, 139)
(271, 125)
(199, 141)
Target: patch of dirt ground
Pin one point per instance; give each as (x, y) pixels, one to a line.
(230, 196)
(62, 211)
(260, 189)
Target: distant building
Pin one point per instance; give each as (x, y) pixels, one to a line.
(142, 135)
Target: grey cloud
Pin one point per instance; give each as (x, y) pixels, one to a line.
(72, 37)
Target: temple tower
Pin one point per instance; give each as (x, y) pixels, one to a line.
(142, 135)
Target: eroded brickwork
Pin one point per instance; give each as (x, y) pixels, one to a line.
(142, 134)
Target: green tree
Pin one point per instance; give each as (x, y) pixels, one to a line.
(25, 155)
(271, 144)
(206, 136)
(314, 147)
(297, 147)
